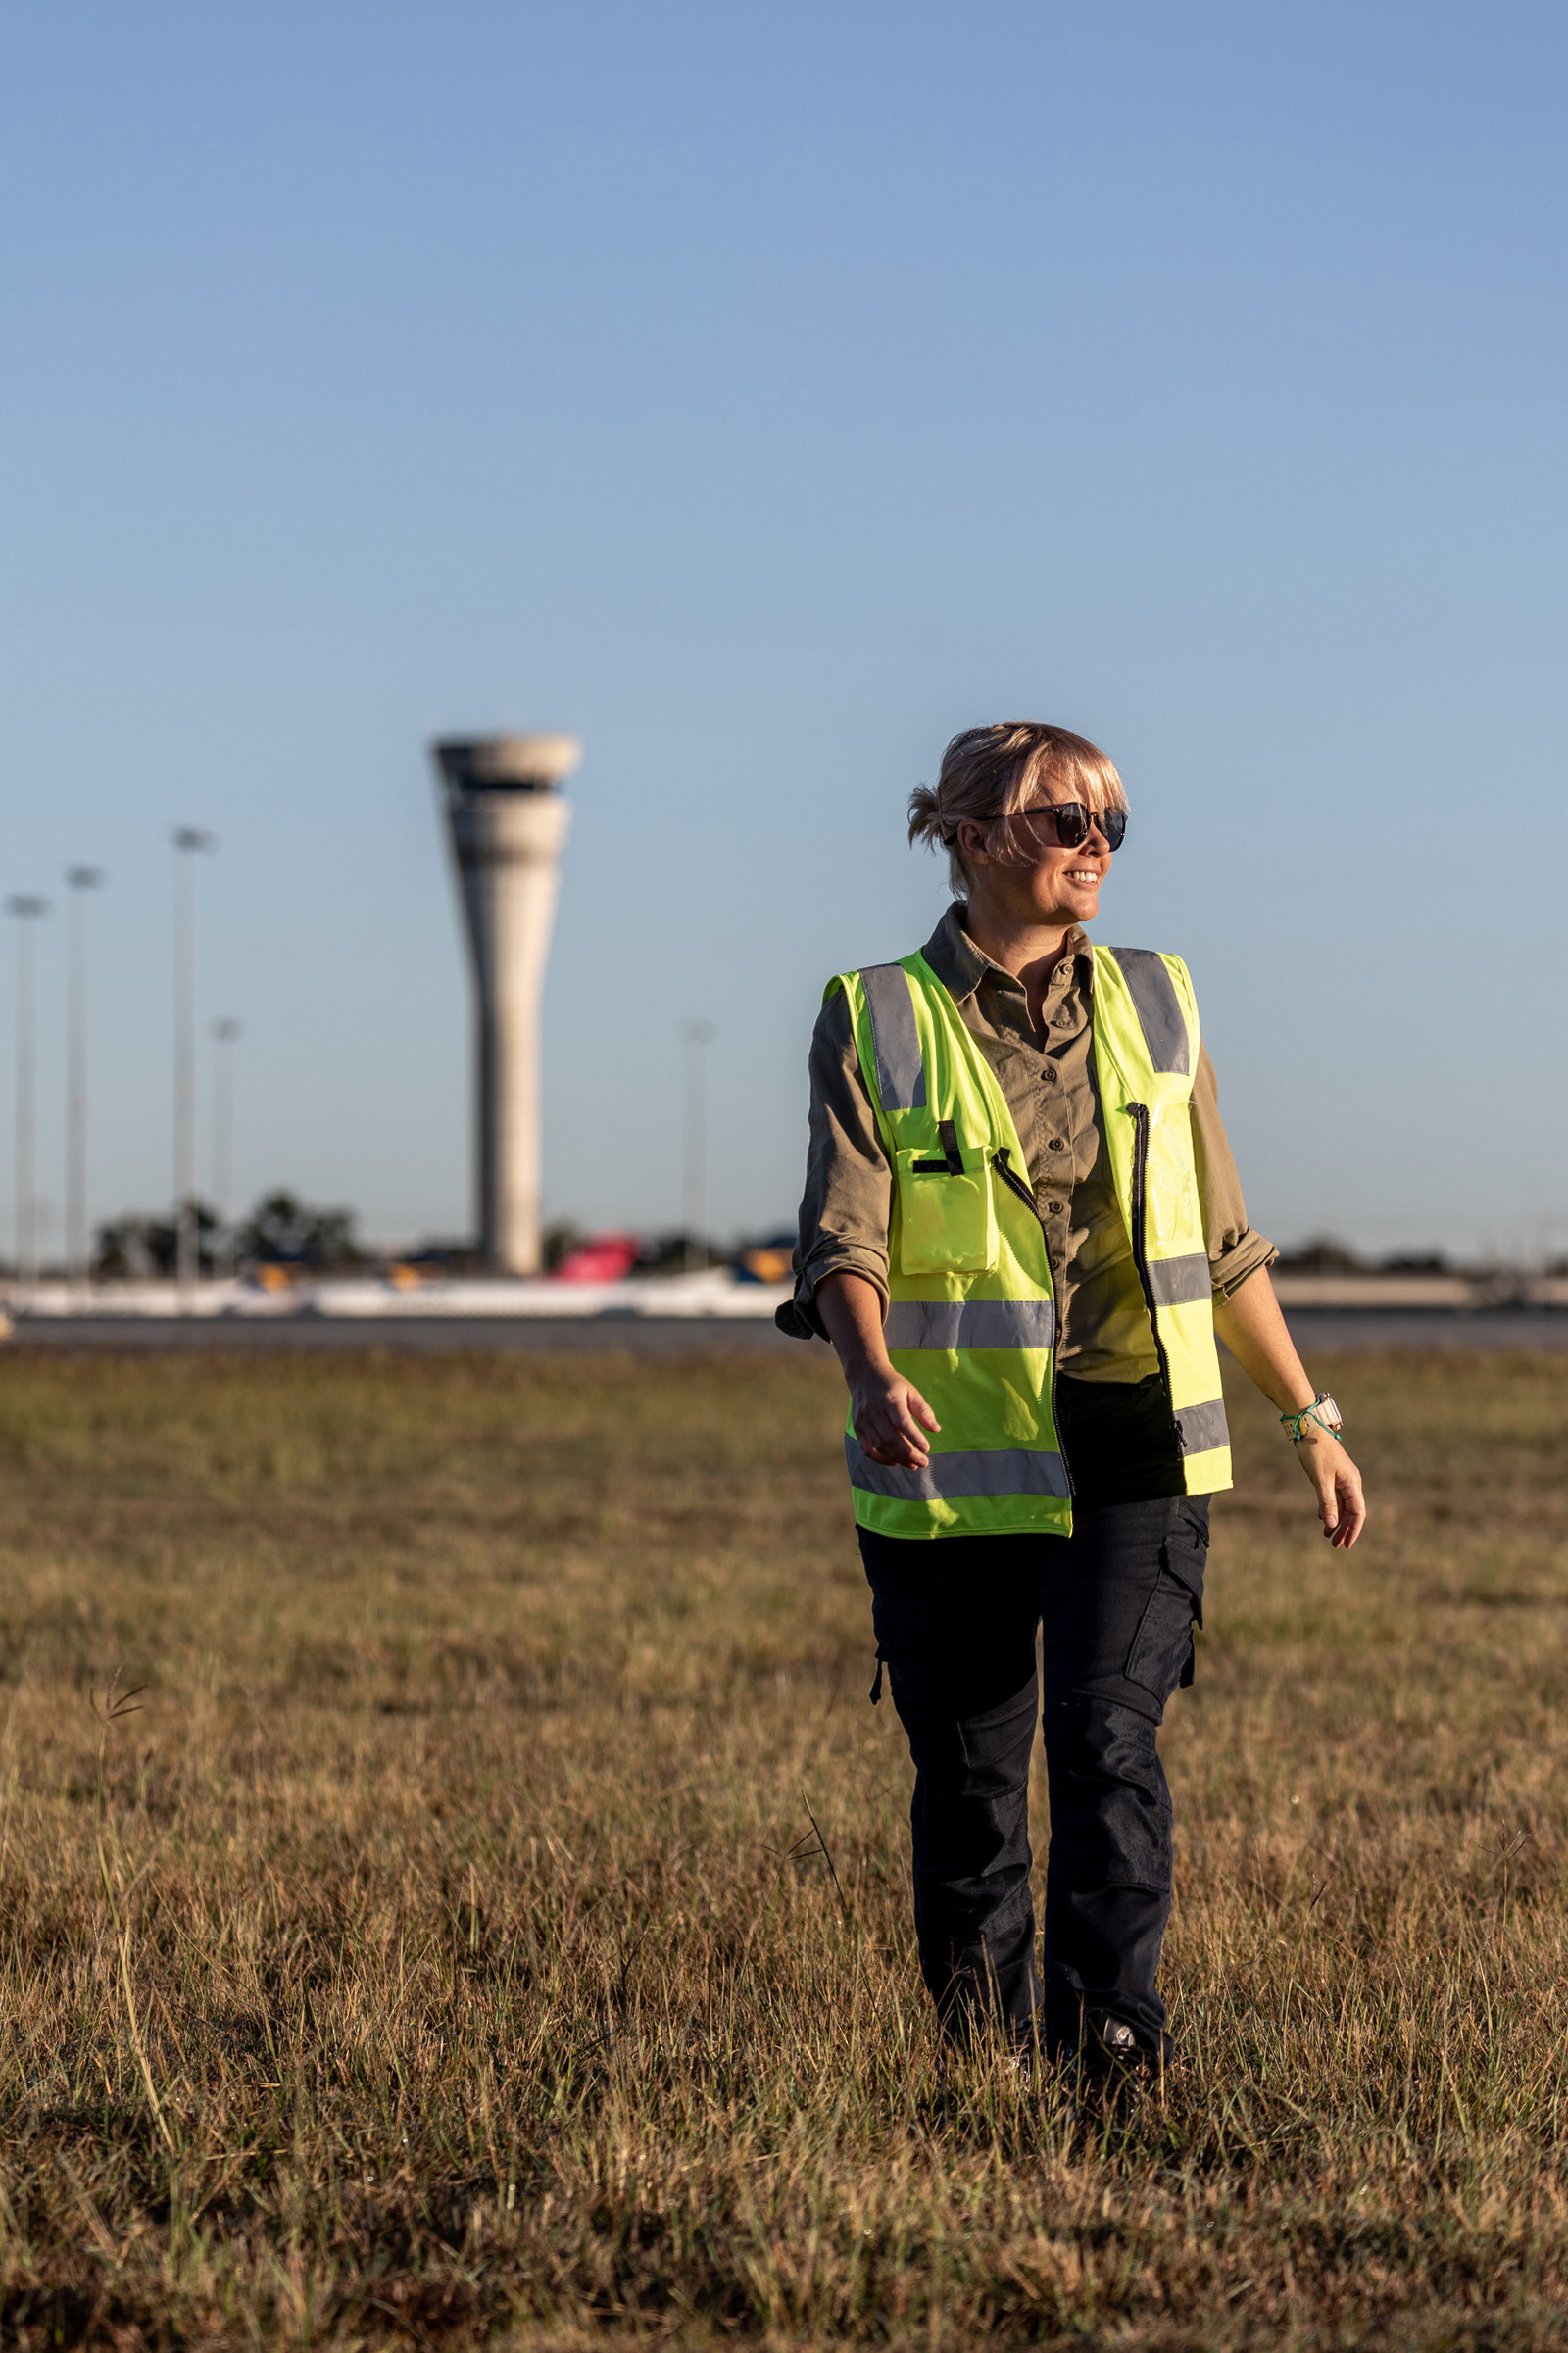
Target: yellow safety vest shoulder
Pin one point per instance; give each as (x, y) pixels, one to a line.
(972, 1318)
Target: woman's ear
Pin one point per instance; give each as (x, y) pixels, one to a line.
(971, 842)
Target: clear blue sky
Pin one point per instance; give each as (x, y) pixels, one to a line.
(764, 393)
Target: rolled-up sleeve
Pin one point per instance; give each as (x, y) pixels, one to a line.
(848, 1202)
(1235, 1250)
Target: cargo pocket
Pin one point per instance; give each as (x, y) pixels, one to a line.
(946, 1221)
(1163, 1654)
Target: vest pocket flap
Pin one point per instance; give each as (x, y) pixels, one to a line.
(947, 1223)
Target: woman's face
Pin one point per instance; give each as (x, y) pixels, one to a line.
(1048, 884)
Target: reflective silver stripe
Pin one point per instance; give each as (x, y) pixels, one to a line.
(1199, 1428)
(971, 1323)
(1180, 1282)
(900, 1071)
(949, 1478)
(1158, 1007)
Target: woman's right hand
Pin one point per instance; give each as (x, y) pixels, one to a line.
(891, 1417)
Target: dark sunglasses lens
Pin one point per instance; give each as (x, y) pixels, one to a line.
(1073, 821)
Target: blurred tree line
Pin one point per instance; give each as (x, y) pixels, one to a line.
(281, 1231)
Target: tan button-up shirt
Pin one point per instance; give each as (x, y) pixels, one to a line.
(1047, 1078)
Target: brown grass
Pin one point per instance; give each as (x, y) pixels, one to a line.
(443, 1956)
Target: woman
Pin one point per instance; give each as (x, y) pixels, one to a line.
(1022, 1229)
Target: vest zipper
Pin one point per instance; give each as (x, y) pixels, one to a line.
(1016, 1184)
(1138, 1114)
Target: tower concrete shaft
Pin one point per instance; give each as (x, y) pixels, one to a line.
(508, 820)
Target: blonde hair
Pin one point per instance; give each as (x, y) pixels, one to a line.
(990, 773)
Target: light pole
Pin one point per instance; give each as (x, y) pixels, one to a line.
(697, 1035)
(28, 911)
(81, 880)
(189, 840)
(224, 1034)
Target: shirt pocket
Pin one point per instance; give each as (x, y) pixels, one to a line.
(947, 1224)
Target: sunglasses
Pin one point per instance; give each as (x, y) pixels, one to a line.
(1074, 823)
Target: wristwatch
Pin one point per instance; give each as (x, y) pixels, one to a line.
(1322, 1411)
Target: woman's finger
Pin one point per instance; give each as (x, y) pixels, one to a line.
(884, 1440)
(1344, 1512)
(908, 1427)
(1352, 1504)
(897, 1453)
(922, 1412)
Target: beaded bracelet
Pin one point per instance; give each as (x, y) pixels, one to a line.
(1309, 1414)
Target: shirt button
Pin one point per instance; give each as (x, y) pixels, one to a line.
(1056, 1143)
(1050, 1071)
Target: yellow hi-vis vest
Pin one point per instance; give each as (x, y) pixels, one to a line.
(972, 1318)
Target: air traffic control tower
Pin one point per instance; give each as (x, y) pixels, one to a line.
(508, 819)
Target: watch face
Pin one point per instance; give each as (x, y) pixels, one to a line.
(1330, 1411)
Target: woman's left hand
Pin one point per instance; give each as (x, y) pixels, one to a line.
(1341, 1503)
(1254, 1331)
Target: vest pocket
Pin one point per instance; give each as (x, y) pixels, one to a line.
(947, 1224)
(1173, 1212)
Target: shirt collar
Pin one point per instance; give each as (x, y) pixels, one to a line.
(961, 967)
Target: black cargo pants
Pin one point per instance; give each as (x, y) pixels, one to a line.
(955, 1620)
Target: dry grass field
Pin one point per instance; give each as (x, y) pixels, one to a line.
(440, 1953)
